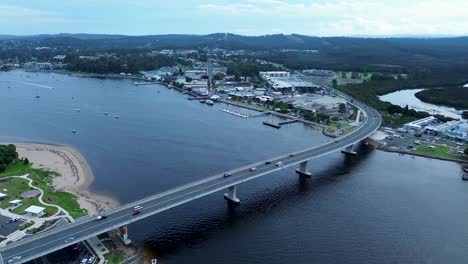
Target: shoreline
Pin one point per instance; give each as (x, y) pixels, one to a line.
(387, 149)
(75, 173)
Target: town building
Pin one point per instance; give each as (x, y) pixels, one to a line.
(275, 74)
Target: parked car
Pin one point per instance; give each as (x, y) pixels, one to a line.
(91, 260)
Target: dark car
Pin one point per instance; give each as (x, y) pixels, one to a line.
(227, 175)
(136, 212)
(267, 162)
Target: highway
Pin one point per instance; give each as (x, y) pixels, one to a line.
(59, 238)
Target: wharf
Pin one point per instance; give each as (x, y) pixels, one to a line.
(275, 125)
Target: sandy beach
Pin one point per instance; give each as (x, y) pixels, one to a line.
(75, 173)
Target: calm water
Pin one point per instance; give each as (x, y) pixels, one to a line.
(406, 98)
(376, 208)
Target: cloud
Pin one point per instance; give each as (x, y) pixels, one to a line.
(349, 17)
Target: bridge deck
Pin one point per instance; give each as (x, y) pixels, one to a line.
(48, 242)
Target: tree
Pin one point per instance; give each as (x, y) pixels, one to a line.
(342, 108)
(188, 79)
(465, 114)
(335, 83)
(466, 151)
(26, 161)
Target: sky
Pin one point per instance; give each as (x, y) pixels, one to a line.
(245, 17)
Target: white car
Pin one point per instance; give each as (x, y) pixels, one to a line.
(14, 259)
(91, 260)
(279, 163)
(138, 207)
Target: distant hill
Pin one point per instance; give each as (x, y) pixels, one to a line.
(333, 52)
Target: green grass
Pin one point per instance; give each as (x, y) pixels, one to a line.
(26, 225)
(438, 151)
(332, 127)
(257, 107)
(17, 168)
(14, 188)
(43, 179)
(115, 257)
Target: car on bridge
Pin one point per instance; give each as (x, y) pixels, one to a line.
(253, 169)
(136, 212)
(227, 175)
(279, 163)
(267, 162)
(100, 217)
(138, 207)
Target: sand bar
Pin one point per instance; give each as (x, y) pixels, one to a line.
(75, 173)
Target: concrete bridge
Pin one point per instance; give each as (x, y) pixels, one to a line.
(118, 218)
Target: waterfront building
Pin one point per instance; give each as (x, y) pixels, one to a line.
(38, 65)
(419, 125)
(453, 129)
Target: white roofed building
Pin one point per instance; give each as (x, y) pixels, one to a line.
(35, 211)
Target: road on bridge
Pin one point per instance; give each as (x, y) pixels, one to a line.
(59, 238)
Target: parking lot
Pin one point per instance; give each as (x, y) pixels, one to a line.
(7, 228)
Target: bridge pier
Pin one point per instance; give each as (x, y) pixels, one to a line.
(231, 194)
(303, 171)
(349, 150)
(122, 232)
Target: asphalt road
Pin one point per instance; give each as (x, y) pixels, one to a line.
(64, 236)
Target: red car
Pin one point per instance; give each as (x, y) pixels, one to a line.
(136, 212)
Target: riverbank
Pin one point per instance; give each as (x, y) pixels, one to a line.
(402, 151)
(75, 175)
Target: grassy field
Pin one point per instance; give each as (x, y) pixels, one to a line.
(14, 187)
(43, 180)
(115, 257)
(437, 151)
(333, 127)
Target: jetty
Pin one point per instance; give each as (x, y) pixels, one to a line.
(275, 125)
(234, 113)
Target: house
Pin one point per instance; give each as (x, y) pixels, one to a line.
(35, 211)
(2, 196)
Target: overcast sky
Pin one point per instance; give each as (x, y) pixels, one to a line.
(247, 17)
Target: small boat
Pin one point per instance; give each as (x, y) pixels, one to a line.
(209, 102)
(154, 261)
(73, 131)
(38, 96)
(78, 110)
(105, 113)
(116, 117)
(465, 177)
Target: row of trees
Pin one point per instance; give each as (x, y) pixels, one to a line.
(132, 63)
(7, 155)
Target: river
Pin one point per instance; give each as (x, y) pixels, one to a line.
(407, 98)
(374, 208)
